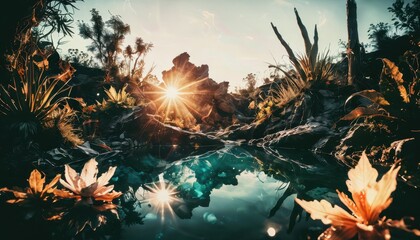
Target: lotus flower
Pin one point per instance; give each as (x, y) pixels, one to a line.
(370, 198)
(86, 185)
(36, 189)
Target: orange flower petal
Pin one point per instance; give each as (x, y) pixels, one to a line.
(324, 211)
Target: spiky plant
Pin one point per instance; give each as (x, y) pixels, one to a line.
(310, 67)
(31, 97)
(117, 99)
(62, 119)
(289, 89)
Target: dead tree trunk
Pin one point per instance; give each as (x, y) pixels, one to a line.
(353, 45)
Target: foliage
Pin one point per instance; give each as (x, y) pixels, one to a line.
(122, 64)
(281, 92)
(98, 117)
(55, 15)
(369, 199)
(135, 71)
(81, 58)
(36, 189)
(395, 97)
(117, 99)
(379, 34)
(309, 70)
(251, 81)
(406, 16)
(106, 37)
(30, 99)
(305, 65)
(62, 119)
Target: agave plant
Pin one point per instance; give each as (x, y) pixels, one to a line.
(120, 99)
(309, 69)
(32, 97)
(311, 66)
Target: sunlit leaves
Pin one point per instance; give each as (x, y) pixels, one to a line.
(93, 205)
(86, 185)
(37, 189)
(391, 79)
(369, 199)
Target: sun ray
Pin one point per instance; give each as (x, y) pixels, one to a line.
(160, 196)
(179, 101)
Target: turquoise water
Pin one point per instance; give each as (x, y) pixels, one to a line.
(231, 193)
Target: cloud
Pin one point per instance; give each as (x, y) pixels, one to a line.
(249, 37)
(208, 19)
(127, 6)
(322, 18)
(283, 2)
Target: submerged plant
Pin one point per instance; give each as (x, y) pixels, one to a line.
(369, 199)
(86, 186)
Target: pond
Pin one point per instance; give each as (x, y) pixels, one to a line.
(231, 193)
(226, 194)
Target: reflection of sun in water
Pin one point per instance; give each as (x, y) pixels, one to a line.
(271, 232)
(161, 195)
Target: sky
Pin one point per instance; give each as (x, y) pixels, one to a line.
(233, 37)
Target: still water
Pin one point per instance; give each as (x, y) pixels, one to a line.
(230, 193)
(234, 193)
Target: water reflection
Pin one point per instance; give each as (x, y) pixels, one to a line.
(231, 193)
(236, 193)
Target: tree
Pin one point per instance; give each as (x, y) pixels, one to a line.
(406, 17)
(20, 17)
(353, 45)
(137, 54)
(251, 82)
(106, 37)
(379, 35)
(81, 58)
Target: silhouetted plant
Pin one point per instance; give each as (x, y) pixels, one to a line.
(28, 102)
(106, 37)
(77, 57)
(135, 70)
(379, 34)
(406, 16)
(122, 65)
(396, 97)
(309, 69)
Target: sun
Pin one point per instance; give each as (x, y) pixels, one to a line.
(178, 101)
(171, 92)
